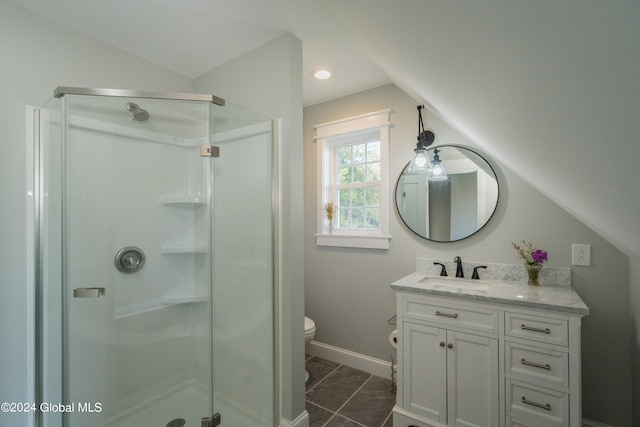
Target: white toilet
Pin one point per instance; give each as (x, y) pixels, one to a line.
(309, 333)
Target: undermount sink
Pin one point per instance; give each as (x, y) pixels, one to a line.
(449, 282)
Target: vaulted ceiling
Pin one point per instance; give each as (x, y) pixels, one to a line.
(549, 88)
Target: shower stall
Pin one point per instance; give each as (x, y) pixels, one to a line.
(155, 270)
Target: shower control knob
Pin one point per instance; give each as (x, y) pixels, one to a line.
(129, 259)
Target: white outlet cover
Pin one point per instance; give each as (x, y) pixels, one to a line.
(580, 254)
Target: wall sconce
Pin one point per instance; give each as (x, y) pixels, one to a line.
(436, 171)
(420, 163)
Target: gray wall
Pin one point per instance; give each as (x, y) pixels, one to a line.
(347, 291)
(635, 336)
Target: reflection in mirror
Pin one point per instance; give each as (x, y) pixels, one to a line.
(451, 209)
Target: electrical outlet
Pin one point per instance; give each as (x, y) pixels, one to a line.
(580, 254)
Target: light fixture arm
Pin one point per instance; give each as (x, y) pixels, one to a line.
(425, 137)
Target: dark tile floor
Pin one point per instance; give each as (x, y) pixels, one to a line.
(340, 396)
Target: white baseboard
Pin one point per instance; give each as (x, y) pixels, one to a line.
(365, 363)
(589, 423)
(301, 421)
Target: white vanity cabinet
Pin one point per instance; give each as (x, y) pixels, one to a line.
(542, 368)
(450, 375)
(467, 362)
(448, 363)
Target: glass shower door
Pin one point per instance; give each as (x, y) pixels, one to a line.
(137, 262)
(243, 273)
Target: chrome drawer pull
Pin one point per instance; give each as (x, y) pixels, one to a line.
(455, 315)
(529, 328)
(535, 365)
(546, 407)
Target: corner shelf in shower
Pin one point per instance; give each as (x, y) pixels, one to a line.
(184, 298)
(184, 248)
(183, 201)
(168, 299)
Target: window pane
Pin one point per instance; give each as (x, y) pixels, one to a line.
(344, 197)
(357, 197)
(373, 151)
(345, 175)
(373, 170)
(373, 218)
(372, 195)
(359, 153)
(359, 173)
(357, 218)
(344, 155)
(343, 216)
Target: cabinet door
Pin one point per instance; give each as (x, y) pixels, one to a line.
(473, 377)
(424, 375)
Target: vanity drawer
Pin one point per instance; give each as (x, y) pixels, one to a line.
(537, 328)
(516, 422)
(538, 366)
(549, 406)
(447, 313)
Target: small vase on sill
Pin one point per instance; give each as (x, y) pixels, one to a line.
(533, 271)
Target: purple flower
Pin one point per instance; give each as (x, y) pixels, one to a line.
(539, 256)
(529, 254)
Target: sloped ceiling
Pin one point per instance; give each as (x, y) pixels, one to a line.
(191, 37)
(549, 88)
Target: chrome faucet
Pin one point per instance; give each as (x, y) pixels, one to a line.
(458, 261)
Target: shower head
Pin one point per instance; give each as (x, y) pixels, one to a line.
(139, 115)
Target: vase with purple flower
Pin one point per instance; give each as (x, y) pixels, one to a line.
(533, 260)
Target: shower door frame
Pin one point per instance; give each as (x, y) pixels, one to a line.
(123, 93)
(37, 229)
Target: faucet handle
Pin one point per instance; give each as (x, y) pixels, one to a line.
(443, 271)
(475, 271)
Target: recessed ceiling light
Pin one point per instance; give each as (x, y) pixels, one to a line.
(321, 74)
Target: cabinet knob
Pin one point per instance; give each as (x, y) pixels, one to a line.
(441, 343)
(449, 345)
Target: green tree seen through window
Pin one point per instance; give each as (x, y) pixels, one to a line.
(359, 185)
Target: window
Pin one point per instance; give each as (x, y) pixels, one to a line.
(353, 174)
(357, 183)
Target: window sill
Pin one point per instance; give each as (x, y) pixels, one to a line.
(353, 241)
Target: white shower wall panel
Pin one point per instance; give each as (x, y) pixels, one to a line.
(118, 198)
(116, 188)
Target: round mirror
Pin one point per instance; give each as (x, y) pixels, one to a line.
(451, 201)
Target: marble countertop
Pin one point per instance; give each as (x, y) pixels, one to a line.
(550, 297)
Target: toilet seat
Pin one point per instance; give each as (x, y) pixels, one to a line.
(309, 333)
(309, 328)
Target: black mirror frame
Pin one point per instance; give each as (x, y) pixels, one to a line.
(495, 208)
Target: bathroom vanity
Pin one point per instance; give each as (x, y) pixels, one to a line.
(487, 352)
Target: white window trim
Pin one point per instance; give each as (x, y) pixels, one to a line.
(380, 238)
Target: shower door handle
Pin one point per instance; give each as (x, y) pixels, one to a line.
(88, 292)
